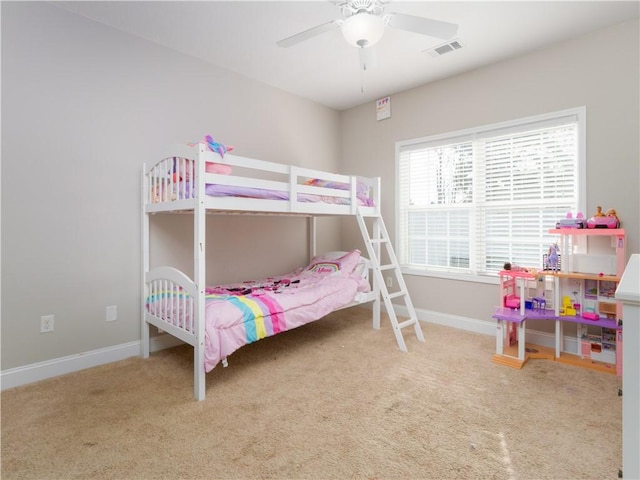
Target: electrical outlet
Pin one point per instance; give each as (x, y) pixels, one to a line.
(111, 313)
(389, 282)
(46, 323)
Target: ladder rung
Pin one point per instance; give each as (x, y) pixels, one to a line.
(391, 266)
(407, 323)
(397, 294)
(378, 240)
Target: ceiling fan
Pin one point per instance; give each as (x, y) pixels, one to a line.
(364, 24)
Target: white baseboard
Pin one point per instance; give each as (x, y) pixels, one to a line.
(14, 377)
(463, 323)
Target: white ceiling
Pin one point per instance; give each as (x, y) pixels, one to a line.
(241, 36)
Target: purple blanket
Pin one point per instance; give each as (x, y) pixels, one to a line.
(215, 190)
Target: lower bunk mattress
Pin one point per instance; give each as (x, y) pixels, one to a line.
(242, 313)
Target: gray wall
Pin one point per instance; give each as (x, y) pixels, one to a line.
(83, 106)
(599, 70)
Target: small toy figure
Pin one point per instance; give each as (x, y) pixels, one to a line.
(612, 213)
(514, 267)
(552, 258)
(598, 212)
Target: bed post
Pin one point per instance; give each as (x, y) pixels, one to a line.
(199, 229)
(376, 285)
(144, 350)
(377, 195)
(312, 236)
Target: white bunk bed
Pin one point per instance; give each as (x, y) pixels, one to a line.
(181, 182)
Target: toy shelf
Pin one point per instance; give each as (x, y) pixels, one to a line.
(509, 314)
(582, 276)
(603, 322)
(588, 231)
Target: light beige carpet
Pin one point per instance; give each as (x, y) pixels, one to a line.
(331, 400)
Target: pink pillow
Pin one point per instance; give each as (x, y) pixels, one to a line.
(329, 264)
(218, 168)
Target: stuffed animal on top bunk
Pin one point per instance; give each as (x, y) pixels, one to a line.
(174, 188)
(216, 147)
(211, 167)
(182, 170)
(164, 192)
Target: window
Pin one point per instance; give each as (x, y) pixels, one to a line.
(467, 202)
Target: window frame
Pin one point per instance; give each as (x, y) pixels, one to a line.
(579, 113)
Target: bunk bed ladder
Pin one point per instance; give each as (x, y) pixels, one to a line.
(374, 242)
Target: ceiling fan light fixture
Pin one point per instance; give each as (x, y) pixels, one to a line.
(363, 29)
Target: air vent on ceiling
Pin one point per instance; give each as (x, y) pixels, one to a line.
(444, 48)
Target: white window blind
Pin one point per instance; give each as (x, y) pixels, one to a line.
(470, 201)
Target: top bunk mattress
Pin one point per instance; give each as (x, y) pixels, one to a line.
(221, 190)
(217, 190)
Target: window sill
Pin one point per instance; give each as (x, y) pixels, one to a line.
(462, 277)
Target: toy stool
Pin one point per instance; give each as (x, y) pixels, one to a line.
(538, 303)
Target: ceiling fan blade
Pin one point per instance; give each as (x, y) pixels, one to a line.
(368, 58)
(307, 34)
(423, 26)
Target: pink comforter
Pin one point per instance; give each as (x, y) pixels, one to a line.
(242, 313)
